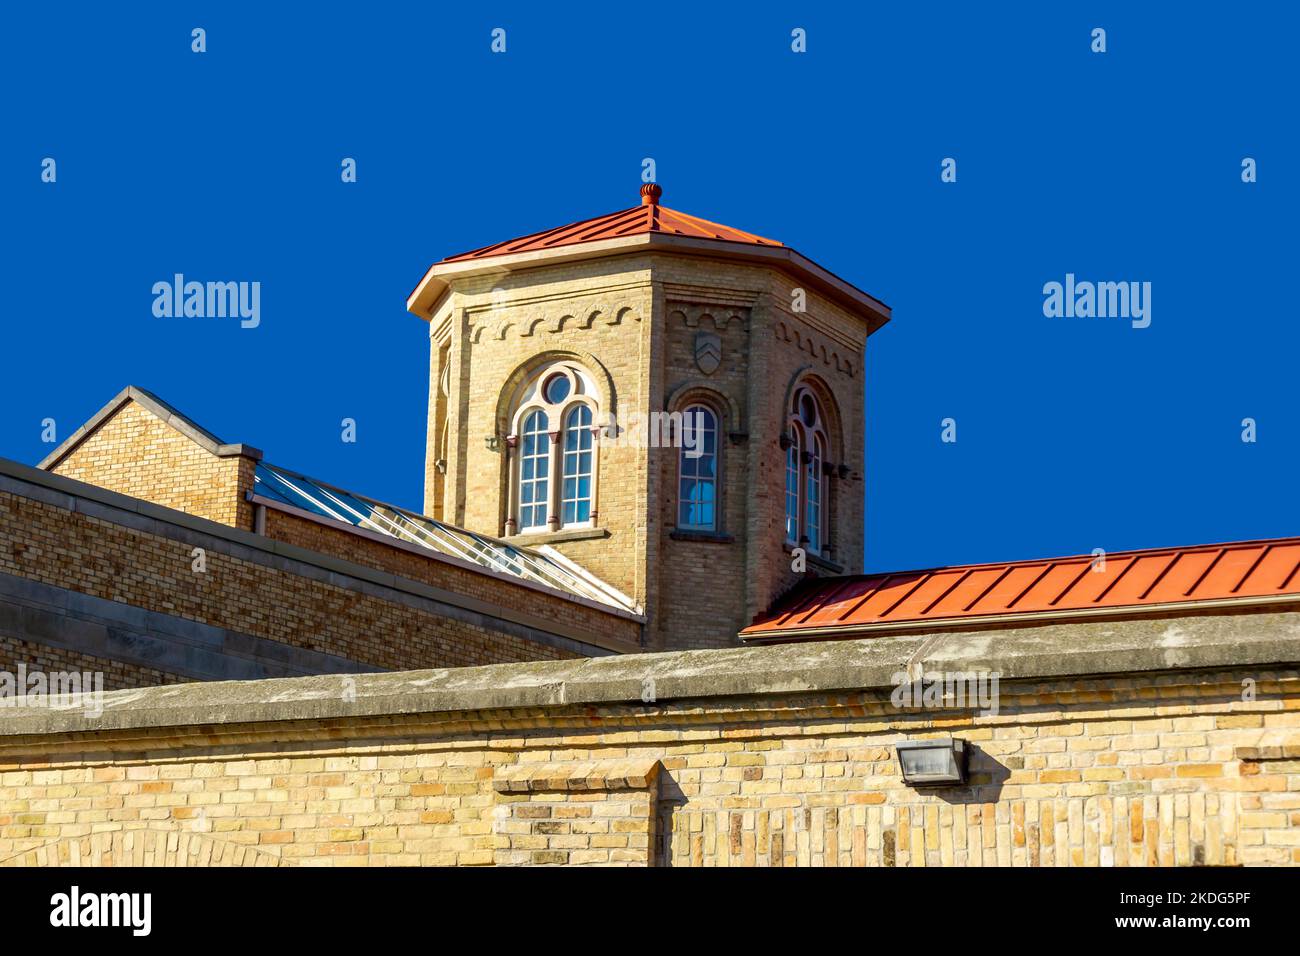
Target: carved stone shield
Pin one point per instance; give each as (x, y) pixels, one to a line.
(708, 352)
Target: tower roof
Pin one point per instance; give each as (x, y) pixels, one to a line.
(645, 218)
(648, 226)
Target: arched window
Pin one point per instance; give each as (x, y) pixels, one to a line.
(805, 472)
(697, 484)
(575, 501)
(813, 496)
(534, 468)
(553, 473)
(792, 489)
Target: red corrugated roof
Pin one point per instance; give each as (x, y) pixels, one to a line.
(649, 217)
(1239, 570)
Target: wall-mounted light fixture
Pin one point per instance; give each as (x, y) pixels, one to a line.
(493, 442)
(933, 763)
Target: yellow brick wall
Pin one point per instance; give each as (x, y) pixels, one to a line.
(1172, 769)
(135, 453)
(572, 818)
(579, 311)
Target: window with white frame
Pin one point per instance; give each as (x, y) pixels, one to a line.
(552, 451)
(813, 495)
(697, 482)
(575, 500)
(805, 472)
(534, 472)
(792, 471)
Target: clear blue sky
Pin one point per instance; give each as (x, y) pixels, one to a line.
(1072, 433)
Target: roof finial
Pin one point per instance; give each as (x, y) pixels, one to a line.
(650, 194)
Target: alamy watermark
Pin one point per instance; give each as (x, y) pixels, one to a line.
(658, 430)
(208, 300)
(961, 690)
(76, 908)
(649, 430)
(1074, 299)
(55, 690)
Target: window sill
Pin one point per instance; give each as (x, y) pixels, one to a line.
(555, 537)
(712, 537)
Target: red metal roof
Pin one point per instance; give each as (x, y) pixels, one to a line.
(1236, 571)
(649, 217)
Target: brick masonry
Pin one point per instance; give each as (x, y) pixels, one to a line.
(504, 593)
(260, 590)
(1172, 767)
(134, 453)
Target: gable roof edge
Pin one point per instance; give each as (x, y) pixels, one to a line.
(160, 410)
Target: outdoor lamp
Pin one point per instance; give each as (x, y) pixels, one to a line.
(933, 763)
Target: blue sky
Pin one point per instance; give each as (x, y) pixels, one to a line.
(1072, 433)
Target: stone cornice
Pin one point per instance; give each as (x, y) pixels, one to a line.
(704, 679)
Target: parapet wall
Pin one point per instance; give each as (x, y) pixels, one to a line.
(1148, 742)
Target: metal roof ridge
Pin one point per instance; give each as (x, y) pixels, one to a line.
(1071, 558)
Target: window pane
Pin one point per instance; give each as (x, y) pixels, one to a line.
(697, 469)
(813, 516)
(556, 389)
(792, 488)
(533, 496)
(577, 466)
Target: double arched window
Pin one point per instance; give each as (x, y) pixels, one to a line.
(697, 482)
(553, 452)
(805, 472)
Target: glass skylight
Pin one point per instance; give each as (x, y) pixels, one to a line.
(279, 484)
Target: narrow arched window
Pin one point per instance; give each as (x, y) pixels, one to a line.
(575, 500)
(697, 486)
(813, 496)
(792, 487)
(534, 471)
(807, 495)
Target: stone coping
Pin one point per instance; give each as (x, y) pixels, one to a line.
(587, 775)
(1274, 745)
(1267, 640)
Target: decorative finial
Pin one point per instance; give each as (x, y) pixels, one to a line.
(650, 194)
